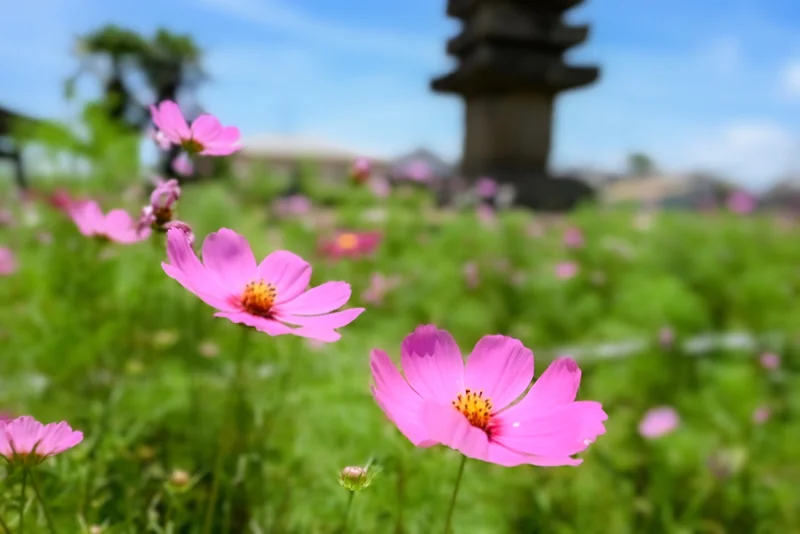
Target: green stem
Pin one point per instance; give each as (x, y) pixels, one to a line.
(22, 502)
(47, 515)
(449, 522)
(345, 522)
(3, 524)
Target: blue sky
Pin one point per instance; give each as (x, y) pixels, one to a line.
(711, 84)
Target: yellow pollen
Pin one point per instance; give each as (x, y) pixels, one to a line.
(476, 408)
(347, 241)
(192, 147)
(258, 298)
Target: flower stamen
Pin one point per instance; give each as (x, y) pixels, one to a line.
(347, 241)
(476, 408)
(259, 298)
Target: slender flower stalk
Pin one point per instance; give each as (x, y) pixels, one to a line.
(22, 501)
(449, 522)
(48, 518)
(346, 520)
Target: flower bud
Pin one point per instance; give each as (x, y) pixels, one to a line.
(354, 478)
(179, 478)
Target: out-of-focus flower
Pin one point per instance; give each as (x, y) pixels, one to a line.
(159, 139)
(380, 186)
(666, 337)
(471, 274)
(566, 270)
(486, 188)
(761, 415)
(6, 217)
(27, 442)
(573, 237)
(179, 478)
(361, 170)
(486, 214)
(379, 286)
(659, 422)
(350, 244)
(417, 171)
(183, 166)
(8, 262)
(292, 206)
(269, 296)
(117, 225)
(208, 349)
(770, 361)
(471, 408)
(206, 136)
(741, 202)
(355, 478)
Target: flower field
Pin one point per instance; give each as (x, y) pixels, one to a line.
(262, 418)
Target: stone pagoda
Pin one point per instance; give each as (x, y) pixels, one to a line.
(510, 69)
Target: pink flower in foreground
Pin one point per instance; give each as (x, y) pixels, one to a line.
(770, 361)
(471, 408)
(573, 237)
(206, 136)
(659, 422)
(351, 244)
(486, 188)
(741, 202)
(26, 441)
(268, 296)
(116, 226)
(183, 165)
(8, 262)
(566, 270)
(183, 227)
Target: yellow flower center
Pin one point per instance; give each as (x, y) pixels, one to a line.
(347, 241)
(258, 298)
(476, 408)
(192, 147)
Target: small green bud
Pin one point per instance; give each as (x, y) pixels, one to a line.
(354, 478)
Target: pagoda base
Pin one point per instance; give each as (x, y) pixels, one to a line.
(541, 191)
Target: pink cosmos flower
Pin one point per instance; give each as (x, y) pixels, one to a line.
(379, 286)
(361, 170)
(566, 270)
(6, 217)
(659, 422)
(162, 200)
(486, 188)
(761, 415)
(573, 237)
(471, 274)
(206, 136)
(116, 226)
(380, 186)
(294, 205)
(666, 337)
(268, 296)
(770, 361)
(417, 171)
(471, 408)
(26, 441)
(741, 202)
(183, 165)
(61, 199)
(8, 262)
(183, 227)
(351, 244)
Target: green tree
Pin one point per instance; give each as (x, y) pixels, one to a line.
(640, 164)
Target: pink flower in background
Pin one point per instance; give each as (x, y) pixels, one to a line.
(351, 244)
(6, 217)
(206, 136)
(417, 171)
(666, 337)
(486, 188)
(741, 202)
(659, 422)
(61, 199)
(159, 211)
(379, 285)
(26, 441)
(471, 274)
(8, 262)
(380, 186)
(573, 237)
(770, 361)
(183, 166)
(268, 296)
(294, 205)
(361, 170)
(471, 408)
(116, 226)
(566, 270)
(761, 415)
(535, 229)
(485, 213)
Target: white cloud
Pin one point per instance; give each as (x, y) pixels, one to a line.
(790, 79)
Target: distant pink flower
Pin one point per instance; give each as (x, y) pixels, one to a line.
(351, 244)
(379, 285)
(183, 166)
(761, 415)
(471, 408)
(666, 337)
(573, 237)
(485, 214)
(659, 422)
(380, 186)
(206, 136)
(6, 217)
(770, 361)
(417, 171)
(486, 188)
(26, 441)
(294, 205)
(471, 274)
(741, 202)
(8, 262)
(361, 170)
(268, 296)
(61, 199)
(159, 139)
(116, 226)
(566, 270)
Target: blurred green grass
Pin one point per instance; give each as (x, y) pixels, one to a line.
(97, 335)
